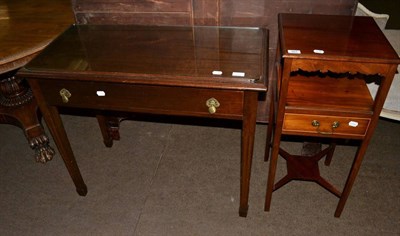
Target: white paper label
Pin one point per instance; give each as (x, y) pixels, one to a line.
(217, 72)
(294, 51)
(319, 51)
(353, 123)
(238, 74)
(101, 93)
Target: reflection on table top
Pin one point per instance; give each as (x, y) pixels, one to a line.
(339, 38)
(194, 53)
(26, 27)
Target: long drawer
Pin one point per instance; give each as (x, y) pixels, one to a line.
(145, 98)
(326, 126)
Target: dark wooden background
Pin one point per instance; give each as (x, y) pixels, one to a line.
(261, 13)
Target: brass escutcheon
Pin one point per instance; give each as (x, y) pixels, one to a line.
(212, 105)
(335, 124)
(65, 95)
(315, 123)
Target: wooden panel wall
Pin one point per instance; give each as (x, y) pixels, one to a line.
(262, 13)
(153, 12)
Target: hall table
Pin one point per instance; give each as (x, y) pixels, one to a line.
(211, 72)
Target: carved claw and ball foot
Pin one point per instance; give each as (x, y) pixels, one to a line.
(18, 107)
(43, 151)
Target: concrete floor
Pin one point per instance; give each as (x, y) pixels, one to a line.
(174, 179)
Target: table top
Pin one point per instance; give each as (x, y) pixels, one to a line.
(26, 27)
(329, 37)
(184, 55)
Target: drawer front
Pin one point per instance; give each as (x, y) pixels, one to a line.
(316, 125)
(144, 98)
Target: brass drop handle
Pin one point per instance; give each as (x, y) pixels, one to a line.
(334, 125)
(212, 105)
(65, 95)
(315, 123)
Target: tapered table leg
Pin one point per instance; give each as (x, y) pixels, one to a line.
(109, 127)
(56, 127)
(352, 177)
(248, 133)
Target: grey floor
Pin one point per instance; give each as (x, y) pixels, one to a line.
(170, 179)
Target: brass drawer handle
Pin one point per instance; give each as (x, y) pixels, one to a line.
(65, 95)
(212, 105)
(334, 125)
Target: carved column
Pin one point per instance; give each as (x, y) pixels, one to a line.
(18, 107)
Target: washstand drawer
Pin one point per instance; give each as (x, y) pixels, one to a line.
(318, 125)
(144, 98)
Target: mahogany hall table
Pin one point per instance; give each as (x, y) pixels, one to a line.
(213, 72)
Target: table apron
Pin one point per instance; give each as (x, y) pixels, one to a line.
(167, 100)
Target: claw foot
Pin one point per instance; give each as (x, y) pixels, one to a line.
(43, 151)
